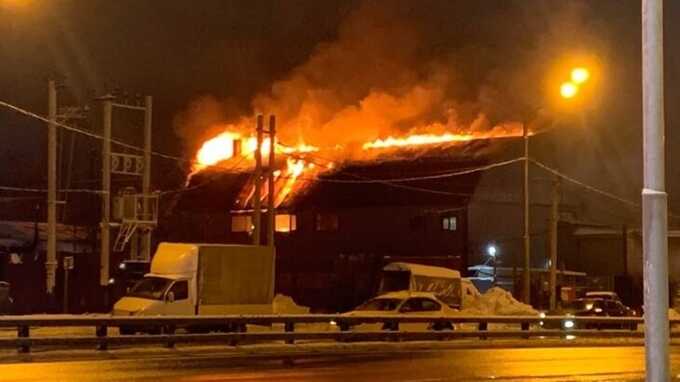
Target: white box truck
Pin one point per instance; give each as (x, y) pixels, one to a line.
(442, 282)
(203, 279)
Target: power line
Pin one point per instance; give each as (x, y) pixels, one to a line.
(100, 137)
(429, 177)
(584, 185)
(41, 190)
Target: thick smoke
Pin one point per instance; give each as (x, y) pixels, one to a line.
(400, 67)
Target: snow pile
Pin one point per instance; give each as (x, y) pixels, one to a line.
(470, 292)
(672, 313)
(283, 304)
(496, 301)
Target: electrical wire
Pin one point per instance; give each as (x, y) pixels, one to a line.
(41, 190)
(584, 185)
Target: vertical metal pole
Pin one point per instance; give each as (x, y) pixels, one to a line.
(257, 208)
(51, 261)
(554, 220)
(526, 279)
(146, 180)
(270, 181)
(65, 289)
(654, 198)
(106, 194)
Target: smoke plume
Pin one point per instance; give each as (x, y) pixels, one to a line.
(403, 67)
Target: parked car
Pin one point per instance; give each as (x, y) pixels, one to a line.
(5, 299)
(591, 307)
(605, 295)
(404, 304)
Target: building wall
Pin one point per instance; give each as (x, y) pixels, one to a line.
(338, 269)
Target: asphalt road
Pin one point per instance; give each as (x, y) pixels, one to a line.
(529, 364)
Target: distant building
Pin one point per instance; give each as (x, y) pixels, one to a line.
(23, 247)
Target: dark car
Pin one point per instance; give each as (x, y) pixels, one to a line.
(5, 299)
(592, 307)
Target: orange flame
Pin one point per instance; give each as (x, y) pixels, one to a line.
(288, 178)
(417, 140)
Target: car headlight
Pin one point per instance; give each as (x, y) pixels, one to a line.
(333, 323)
(598, 310)
(568, 324)
(541, 315)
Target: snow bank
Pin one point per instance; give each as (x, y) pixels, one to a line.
(283, 304)
(469, 291)
(496, 301)
(672, 313)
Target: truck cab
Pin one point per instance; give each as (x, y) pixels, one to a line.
(170, 287)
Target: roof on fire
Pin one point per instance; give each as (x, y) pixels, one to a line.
(362, 183)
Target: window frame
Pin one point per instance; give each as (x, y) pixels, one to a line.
(248, 223)
(445, 223)
(177, 283)
(292, 223)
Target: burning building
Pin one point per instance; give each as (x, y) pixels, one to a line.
(338, 222)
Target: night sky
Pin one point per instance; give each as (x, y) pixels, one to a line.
(234, 51)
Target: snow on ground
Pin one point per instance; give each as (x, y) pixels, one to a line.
(283, 304)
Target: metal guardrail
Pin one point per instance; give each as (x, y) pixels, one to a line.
(236, 325)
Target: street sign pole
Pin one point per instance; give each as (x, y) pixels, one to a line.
(654, 198)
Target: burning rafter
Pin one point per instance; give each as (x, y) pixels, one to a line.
(300, 162)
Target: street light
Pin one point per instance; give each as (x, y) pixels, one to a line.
(569, 89)
(579, 75)
(491, 250)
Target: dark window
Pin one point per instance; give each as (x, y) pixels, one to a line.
(326, 222)
(181, 290)
(449, 223)
(429, 305)
(380, 304)
(419, 305)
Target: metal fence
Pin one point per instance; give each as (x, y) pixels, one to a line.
(233, 329)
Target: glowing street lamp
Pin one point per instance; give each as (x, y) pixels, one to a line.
(579, 75)
(568, 90)
(491, 250)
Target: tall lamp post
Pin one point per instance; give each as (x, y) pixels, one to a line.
(654, 197)
(578, 76)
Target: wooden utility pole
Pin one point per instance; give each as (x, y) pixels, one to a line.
(105, 228)
(271, 208)
(146, 178)
(526, 275)
(51, 261)
(257, 206)
(554, 220)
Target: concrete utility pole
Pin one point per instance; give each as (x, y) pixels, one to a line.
(146, 178)
(526, 276)
(257, 207)
(106, 192)
(654, 198)
(51, 262)
(554, 220)
(270, 182)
